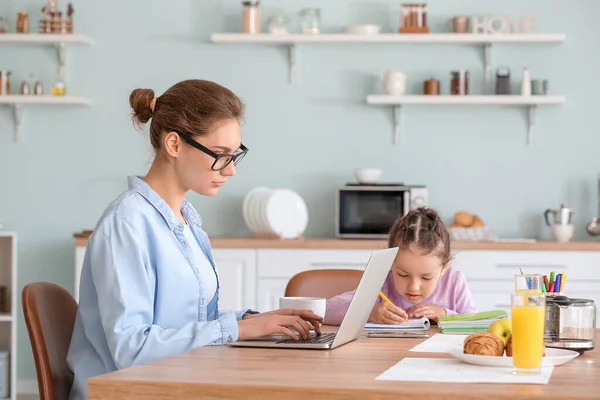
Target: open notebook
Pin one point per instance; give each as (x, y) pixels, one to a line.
(413, 324)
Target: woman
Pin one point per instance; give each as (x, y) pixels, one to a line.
(149, 287)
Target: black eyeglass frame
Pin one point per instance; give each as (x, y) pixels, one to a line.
(236, 157)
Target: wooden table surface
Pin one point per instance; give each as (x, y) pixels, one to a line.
(347, 372)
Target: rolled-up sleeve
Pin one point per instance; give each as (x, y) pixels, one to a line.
(120, 272)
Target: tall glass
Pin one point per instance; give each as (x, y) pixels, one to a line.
(528, 316)
(528, 283)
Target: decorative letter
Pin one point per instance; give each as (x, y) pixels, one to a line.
(478, 26)
(499, 25)
(527, 24)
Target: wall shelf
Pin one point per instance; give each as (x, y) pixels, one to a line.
(531, 102)
(16, 102)
(485, 40)
(59, 41)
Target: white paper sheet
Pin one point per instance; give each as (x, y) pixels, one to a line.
(452, 370)
(440, 343)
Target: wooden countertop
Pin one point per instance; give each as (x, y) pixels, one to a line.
(371, 244)
(348, 372)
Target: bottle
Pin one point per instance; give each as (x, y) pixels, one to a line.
(526, 83)
(251, 17)
(59, 87)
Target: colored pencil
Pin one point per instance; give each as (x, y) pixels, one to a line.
(562, 282)
(546, 284)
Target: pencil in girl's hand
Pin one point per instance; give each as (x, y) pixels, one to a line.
(384, 298)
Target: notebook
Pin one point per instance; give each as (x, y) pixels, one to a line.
(470, 323)
(413, 324)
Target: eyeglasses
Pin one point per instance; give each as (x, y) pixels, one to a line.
(221, 160)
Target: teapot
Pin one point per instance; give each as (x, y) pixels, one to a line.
(562, 216)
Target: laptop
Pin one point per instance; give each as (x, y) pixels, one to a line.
(356, 316)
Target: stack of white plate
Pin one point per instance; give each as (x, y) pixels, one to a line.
(278, 212)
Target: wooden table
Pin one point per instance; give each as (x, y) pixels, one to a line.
(348, 372)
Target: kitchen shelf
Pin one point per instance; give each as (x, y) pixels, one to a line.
(292, 40)
(17, 101)
(59, 41)
(531, 102)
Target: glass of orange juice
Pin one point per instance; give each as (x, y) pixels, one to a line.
(528, 316)
(528, 283)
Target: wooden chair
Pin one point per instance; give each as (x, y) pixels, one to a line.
(325, 283)
(50, 312)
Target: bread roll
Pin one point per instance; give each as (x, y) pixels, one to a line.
(484, 344)
(477, 222)
(463, 219)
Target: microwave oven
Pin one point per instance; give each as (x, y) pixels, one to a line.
(368, 211)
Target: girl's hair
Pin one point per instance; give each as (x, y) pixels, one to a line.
(191, 106)
(423, 228)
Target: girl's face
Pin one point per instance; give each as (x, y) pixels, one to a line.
(416, 275)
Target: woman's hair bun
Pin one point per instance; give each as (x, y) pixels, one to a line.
(140, 101)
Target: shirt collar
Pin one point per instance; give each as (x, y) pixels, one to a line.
(189, 212)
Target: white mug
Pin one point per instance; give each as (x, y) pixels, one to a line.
(394, 82)
(315, 304)
(562, 233)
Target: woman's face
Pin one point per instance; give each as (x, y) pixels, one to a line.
(416, 275)
(193, 166)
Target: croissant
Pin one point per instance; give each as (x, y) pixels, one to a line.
(509, 348)
(483, 343)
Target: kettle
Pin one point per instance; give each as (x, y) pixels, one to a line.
(562, 216)
(570, 323)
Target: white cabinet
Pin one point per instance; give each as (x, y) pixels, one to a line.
(8, 313)
(256, 277)
(237, 278)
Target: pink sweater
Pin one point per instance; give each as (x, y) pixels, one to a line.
(451, 293)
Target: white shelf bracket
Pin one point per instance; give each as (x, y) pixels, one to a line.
(61, 54)
(397, 130)
(18, 119)
(487, 63)
(531, 124)
(292, 54)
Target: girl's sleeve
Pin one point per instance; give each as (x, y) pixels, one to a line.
(463, 302)
(336, 308)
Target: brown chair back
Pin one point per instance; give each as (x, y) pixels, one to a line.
(325, 283)
(50, 312)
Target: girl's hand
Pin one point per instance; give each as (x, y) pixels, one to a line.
(387, 313)
(279, 321)
(430, 311)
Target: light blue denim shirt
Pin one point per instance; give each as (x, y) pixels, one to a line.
(141, 297)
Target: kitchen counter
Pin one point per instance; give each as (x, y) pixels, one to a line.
(334, 243)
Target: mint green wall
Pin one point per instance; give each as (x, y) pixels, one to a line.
(309, 136)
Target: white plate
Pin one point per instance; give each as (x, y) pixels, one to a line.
(287, 214)
(552, 357)
(248, 207)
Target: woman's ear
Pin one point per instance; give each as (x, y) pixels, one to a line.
(172, 144)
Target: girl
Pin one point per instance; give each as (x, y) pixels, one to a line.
(421, 282)
(149, 287)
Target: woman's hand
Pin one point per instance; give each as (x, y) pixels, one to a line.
(387, 313)
(279, 321)
(430, 311)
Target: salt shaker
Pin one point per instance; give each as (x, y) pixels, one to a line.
(38, 89)
(503, 80)
(25, 88)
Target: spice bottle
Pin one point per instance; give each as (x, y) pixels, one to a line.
(4, 82)
(251, 17)
(59, 87)
(431, 87)
(459, 84)
(23, 22)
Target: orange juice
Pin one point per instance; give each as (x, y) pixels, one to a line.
(528, 336)
(528, 291)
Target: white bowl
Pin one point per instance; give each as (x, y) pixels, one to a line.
(362, 29)
(367, 175)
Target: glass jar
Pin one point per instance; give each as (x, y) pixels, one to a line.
(278, 25)
(459, 84)
(311, 21)
(4, 82)
(251, 17)
(3, 25)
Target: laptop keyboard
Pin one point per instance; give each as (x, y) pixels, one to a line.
(322, 338)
